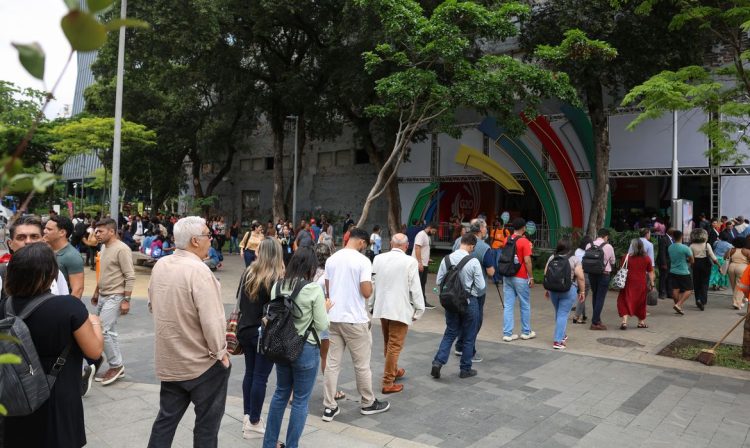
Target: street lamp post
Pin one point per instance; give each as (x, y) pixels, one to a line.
(294, 182)
(114, 205)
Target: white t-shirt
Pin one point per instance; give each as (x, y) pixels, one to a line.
(345, 270)
(422, 240)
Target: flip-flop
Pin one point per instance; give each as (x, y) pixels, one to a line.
(340, 395)
(640, 325)
(678, 310)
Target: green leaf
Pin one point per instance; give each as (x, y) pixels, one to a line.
(10, 358)
(32, 58)
(43, 180)
(72, 5)
(83, 31)
(115, 24)
(3, 411)
(96, 6)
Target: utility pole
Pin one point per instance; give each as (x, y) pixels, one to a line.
(114, 205)
(294, 182)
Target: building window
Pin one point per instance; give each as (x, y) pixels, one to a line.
(250, 204)
(361, 157)
(246, 165)
(325, 159)
(343, 158)
(259, 164)
(269, 163)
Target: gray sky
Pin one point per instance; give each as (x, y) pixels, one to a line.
(26, 21)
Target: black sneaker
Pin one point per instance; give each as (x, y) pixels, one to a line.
(328, 414)
(700, 306)
(87, 378)
(467, 373)
(428, 306)
(435, 370)
(375, 408)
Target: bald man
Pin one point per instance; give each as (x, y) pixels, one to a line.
(397, 302)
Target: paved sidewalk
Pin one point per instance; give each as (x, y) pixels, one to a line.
(525, 394)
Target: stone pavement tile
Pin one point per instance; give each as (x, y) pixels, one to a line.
(619, 418)
(428, 439)
(500, 437)
(577, 428)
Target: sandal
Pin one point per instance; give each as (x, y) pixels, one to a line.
(678, 310)
(642, 325)
(340, 395)
(623, 326)
(576, 321)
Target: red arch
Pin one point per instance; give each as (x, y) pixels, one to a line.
(565, 168)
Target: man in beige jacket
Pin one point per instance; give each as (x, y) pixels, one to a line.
(191, 357)
(397, 302)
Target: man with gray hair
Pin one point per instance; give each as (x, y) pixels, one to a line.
(397, 302)
(191, 357)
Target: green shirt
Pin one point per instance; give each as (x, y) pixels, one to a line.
(678, 255)
(312, 303)
(69, 262)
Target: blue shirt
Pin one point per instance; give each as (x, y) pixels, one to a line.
(471, 275)
(484, 254)
(411, 234)
(721, 248)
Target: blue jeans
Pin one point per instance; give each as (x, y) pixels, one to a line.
(563, 302)
(480, 303)
(599, 288)
(514, 287)
(249, 256)
(257, 369)
(464, 326)
(300, 378)
(234, 245)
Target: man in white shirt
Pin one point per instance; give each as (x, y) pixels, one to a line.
(397, 302)
(349, 284)
(422, 253)
(648, 246)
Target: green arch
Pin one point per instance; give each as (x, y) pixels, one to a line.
(421, 202)
(585, 132)
(521, 154)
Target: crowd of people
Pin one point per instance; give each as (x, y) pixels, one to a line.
(330, 295)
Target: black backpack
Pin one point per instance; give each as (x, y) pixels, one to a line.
(558, 277)
(24, 387)
(279, 341)
(508, 264)
(593, 260)
(453, 295)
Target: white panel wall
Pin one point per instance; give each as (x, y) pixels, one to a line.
(419, 160)
(569, 139)
(449, 148)
(734, 196)
(650, 144)
(562, 202)
(408, 193)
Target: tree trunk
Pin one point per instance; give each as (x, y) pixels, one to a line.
(598, 116)
(746, 339)
(277, 125)
(394, 207)
(288, 202)
(386, 176)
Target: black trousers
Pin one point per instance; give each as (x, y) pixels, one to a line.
(599, 287)
(208, 393)
(665, 283)
(701, 275)
(423, 282)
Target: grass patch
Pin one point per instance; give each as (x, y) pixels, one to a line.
(727, 355)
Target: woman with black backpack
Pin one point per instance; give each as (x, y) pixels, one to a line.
(561, 270)
(310, 316)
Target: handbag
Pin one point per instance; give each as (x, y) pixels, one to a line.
(233, 344)
(622, 275)
(652, 298)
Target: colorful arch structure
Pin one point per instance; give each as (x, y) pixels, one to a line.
(521, 154)
(585, 132)
(468, 156)
(422, 202)
(564, 165)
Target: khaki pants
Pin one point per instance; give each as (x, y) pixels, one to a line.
(735, 272)
(394, 335)
(358, 339)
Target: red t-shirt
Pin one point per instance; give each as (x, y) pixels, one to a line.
(523, 249)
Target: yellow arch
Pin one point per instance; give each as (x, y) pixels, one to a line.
(468, 156)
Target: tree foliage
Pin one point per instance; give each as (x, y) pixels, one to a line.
(721, 91)
(438, 66)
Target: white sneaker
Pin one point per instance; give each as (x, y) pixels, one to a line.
(527, 336)
(510, 338)
(251, 431)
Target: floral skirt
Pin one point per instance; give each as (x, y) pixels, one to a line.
(716, 279)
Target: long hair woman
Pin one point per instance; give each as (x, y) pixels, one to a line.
(704, 258)
(60, 323)
(255, 293)
(298, 376)
(563, 300)
(250, 243)
(632, 298)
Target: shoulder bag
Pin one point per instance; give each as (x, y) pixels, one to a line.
(622, 275)
(233, 344)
